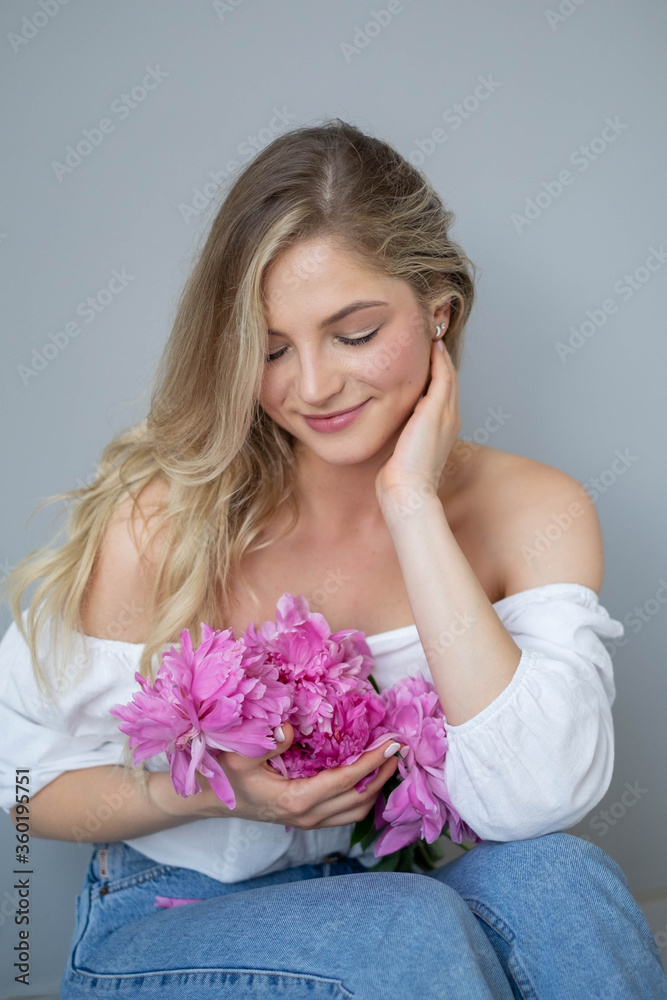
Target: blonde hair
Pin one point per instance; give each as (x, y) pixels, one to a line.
(228, 465)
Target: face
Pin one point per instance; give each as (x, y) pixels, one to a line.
(331, 350)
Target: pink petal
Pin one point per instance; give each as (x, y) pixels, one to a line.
(393, 838)
(174, 901)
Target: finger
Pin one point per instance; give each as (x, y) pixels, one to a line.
(352, 807)
(321, 796)
(338, 780)
(446, 377)
(351, 799)
(336, 784)
(286, 731)
(352, 816)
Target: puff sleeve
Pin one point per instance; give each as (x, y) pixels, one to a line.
(77, 731)
(541, 755)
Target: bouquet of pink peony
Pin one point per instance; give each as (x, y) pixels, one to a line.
(413, 809)
(230, 694)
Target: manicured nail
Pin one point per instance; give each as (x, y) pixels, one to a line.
(441, 346)
(391, 749)
(279, 734)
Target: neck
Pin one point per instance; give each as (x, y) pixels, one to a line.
(336, 501)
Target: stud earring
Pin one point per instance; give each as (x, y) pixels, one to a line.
(439, 330)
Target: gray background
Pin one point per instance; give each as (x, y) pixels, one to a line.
(125, 206)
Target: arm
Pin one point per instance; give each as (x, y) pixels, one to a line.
(541, 756)
(538, 755)
(105, 803)
(102, 800)
(447, 598)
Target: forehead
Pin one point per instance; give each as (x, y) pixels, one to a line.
(318, 276)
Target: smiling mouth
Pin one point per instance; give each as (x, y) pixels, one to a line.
(328, 416)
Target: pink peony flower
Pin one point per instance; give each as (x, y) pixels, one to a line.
(355, 728)
(419, 807)
(318, 666)
(203, 700)
(335, 711)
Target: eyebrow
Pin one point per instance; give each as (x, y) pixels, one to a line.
(341, 314)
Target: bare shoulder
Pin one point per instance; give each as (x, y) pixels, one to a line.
(544, 525)
(115, 601)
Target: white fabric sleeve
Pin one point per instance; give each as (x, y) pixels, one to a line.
(541, 755)
(78, 730)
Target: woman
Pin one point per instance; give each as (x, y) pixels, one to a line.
(321, 458)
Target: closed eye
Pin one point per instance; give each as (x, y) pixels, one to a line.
(345, 340)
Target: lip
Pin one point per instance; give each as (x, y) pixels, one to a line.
(335, 421)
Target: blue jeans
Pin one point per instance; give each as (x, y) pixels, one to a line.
(549, 918)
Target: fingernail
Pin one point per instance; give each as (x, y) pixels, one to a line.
(279, 734)
(391, 749)
(441, 346)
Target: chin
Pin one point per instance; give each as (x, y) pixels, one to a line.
(356, 448)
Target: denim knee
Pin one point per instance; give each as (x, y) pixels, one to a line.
(579, 863)
(540, 869)
(433, 917)
(410, 895)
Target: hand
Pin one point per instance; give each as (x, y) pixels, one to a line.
(326, 799)
(426, 440)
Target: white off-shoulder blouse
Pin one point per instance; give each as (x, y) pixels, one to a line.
(534, 761)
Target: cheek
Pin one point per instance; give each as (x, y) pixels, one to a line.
(393, 364)
(270, 391)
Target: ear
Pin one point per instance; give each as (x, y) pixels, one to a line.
(442, 315)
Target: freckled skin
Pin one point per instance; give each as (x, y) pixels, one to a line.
(319, 374)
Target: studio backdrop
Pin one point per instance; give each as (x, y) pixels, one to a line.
(541, 124)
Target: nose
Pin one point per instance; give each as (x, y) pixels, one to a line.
(317, 380)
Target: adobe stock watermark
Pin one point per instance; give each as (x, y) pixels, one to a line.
(561, 521)
(625, 288)
(130, 612)
(564, 11)
(544, 539)
(110, 804)
(332, 583)
(454, 116)
(492, 423)
(88, 309)
(640, 616)
(32, 25)
(598, 485)
(363, 36)
(239, 844)
(459, 625)
(605, 819)
(9, 906)
(581, 158)
(5, 568)
(222, 7)
(80, 661)
(122, 107)
(83, 484)
(249, 147)
(412, 500)
(661, 938)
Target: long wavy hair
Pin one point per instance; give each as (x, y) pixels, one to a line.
(229, 466)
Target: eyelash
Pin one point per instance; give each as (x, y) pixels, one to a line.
(358, 340)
